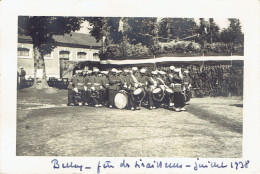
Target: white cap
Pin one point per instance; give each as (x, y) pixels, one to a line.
(21, 67)
(89, 71)
(134, 68)
(186, 71)
(172, 67)
(104, 72)
(154, 72)
(177, 70)
(162, 72)
(113, 70)
(142, 70)
(96, 70)
(126, 70)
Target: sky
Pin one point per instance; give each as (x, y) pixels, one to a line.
(222, 22)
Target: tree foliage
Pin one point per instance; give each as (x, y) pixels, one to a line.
(233, 34)
(43, 28)
(177, 28)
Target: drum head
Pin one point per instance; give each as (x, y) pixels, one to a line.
(157, 90)
(140, 94)
(158, 94)
(138, 91)
(121, 100)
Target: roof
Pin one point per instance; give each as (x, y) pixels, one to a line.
(73, 39)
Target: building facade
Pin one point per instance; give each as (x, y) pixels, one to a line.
(71, 50)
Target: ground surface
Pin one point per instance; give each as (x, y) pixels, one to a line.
(212, 128)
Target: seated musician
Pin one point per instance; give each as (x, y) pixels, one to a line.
(114, 87)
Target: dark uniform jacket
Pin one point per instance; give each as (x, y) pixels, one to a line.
(88, 82)
(114, 82)
(72, 83)
(174, 78)
(152, 83)
(104, 82)
(80, 82)
(133, 81)
(143, 80)
(97, 82)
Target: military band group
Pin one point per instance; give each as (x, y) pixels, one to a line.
(130, 88)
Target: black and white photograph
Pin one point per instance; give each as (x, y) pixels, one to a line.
(140, 86)
(130, 86)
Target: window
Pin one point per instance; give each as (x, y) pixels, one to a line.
(81, 55)
(23, 52)
(95, 56)
(65, 55)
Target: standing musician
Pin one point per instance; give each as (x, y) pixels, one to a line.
(114, 83)
(134, 84)
(124, 78)
(87, 86)
(152, 84)
(170, 81)
(71, 91)
(96, 88)
(179, 98)
(143, 82)
(105, 87)
(80, 86)
(187, 84)
(164, 85)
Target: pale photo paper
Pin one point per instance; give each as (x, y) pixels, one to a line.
(142, 86)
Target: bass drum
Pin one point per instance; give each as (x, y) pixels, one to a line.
(158, 94)
(139, 94)
(121, 99)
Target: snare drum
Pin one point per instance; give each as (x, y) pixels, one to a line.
(158, 94)
(121, 99)
(177, 88)
(168, 91)
(139, 94)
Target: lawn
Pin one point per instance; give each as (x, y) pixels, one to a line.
(212, 127)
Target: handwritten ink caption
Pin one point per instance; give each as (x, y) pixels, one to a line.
(140, 164)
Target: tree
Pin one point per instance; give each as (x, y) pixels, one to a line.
(233, 35)
(213, 30)
(42, 29)
(177, 28)
(141, 30)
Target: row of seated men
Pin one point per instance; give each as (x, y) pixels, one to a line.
(129, 89)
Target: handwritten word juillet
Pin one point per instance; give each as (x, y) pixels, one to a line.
(197, 165)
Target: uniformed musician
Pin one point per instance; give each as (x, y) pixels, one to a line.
(114, 83)
(152, 84)
(71, 91)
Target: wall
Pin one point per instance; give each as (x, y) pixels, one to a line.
(52, 63)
